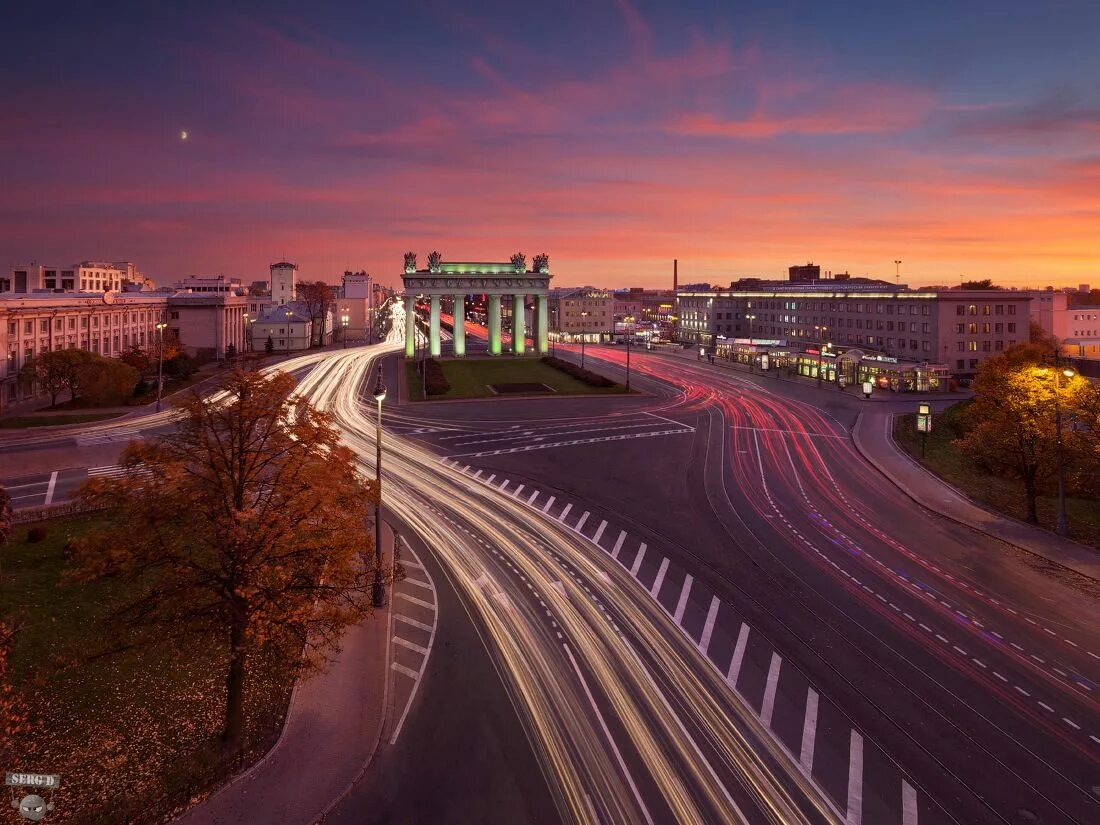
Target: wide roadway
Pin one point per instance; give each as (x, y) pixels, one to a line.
(966, 670)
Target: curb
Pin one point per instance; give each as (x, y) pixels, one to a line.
(912, 496)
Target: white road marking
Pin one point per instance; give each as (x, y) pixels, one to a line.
(503, 485)
(423, 651)
(418, 583)
(768, 705)
(599, 532)
(534, 495)
(908, 804)
(573, 442)
(489, 480)
(546, 506)
(412, 622)
(708, 625)
(49, 489)
(855, 781)
(519, 490)
(565, 512)
(408, 671)
(657, 582)
(618, 544)
(738, 655)
(478, 473)
(611, 741)
(415, 600)
(681, 605)
(580, 523)
(637, 561)
(809, 732)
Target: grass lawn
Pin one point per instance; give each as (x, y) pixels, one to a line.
(147, 713)
(469, 378)
(1006, 495)
(20, 421)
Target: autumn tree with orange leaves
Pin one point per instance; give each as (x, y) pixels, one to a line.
(247, 525)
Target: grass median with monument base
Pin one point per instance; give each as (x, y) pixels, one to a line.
(502, 377)
(1000, 493)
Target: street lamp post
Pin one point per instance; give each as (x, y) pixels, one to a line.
(378, 588)
(752, 355)
(161, 326)
(344, 323)
(629, 319)
(1061, 522)
(289, 315)
(820, 330)
(897, 272)
(584, 332)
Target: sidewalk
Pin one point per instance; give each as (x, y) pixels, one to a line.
(332, 732)
(872, 435)
(853, 392)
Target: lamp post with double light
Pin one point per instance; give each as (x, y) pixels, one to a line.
(161, 327)
(289, 314)
(1061, 521)
(820, 332)
(752, 354)
(584, 333)
(629, 321)
(344, 318)
(378, 588)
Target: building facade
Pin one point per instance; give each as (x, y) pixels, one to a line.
(582, 313)
(956, 328)
(287, 325)
(284, 282)
(109, 324)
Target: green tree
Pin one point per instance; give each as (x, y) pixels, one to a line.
(984, 283)
(59, 370)
(275, 562)
(269, 345)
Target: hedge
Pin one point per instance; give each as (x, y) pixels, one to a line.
(592, 379)
(435, 382)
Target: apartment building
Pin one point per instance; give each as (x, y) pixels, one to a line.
(581, 312)
(86, 276)
(954, 328)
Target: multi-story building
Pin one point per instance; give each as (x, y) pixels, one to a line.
(109, 323)
(86, 276)
(581, 312)
(216, 283)
(284, 282)
(287, 325)
(355, 303)
(954, 328)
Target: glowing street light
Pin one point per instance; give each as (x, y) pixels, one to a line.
(1061, 521)
(629, 320)
(584, 332)
(378, 589)
(752, 355)
(820, 330)
(344, 318)
(161, 327)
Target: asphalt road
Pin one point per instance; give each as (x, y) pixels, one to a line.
(967, 670)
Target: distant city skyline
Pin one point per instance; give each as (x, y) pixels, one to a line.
(614, 136)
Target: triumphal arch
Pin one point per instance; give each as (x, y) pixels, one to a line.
(494, 280)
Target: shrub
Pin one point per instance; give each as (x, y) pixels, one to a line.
(106, 381)
(36, 534)
(435, 382)
(592, 379)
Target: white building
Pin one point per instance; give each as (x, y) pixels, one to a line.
(284, 282)
(355, 303)
(216, 283)
(109, 324)
(86, 276)
(287, 325)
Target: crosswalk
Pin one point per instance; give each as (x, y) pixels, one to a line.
(414, 618)
(110, 436)
(861, 780)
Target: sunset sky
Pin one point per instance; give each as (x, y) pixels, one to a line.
(614, 135)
